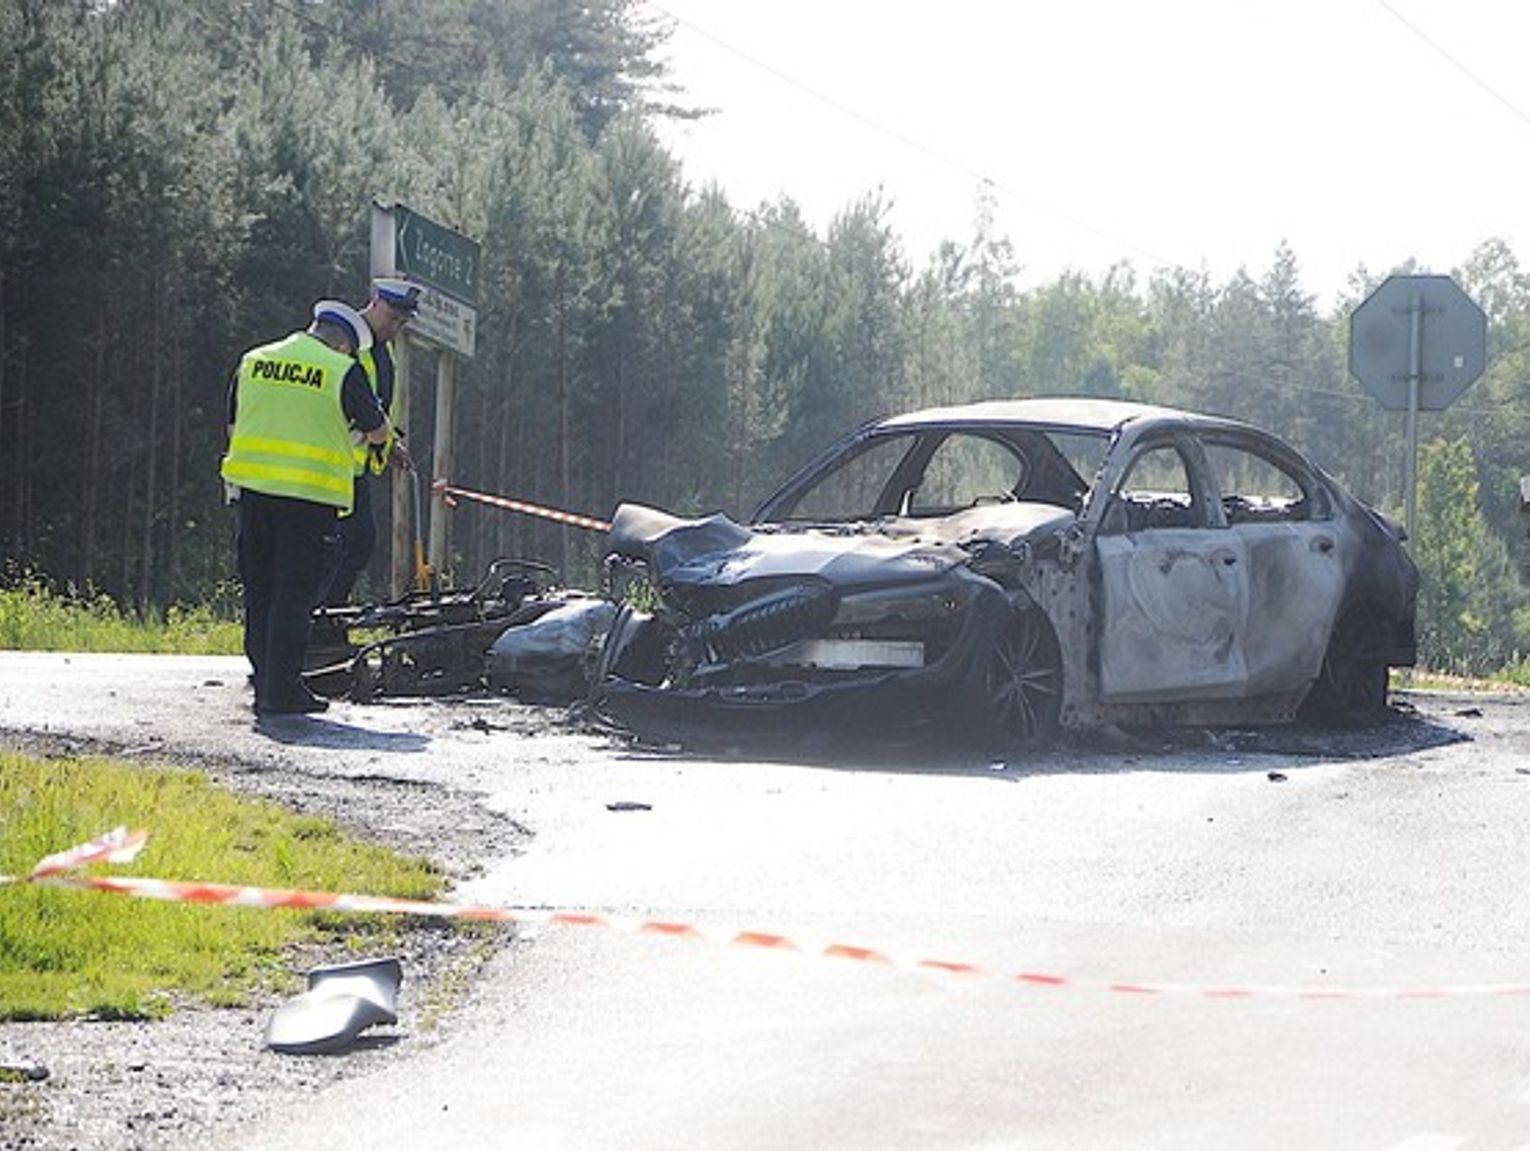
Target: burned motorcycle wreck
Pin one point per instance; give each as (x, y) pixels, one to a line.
(516, 631)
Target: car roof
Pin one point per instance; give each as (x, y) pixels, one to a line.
(1084, 413)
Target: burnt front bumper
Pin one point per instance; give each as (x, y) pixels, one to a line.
(789, 702)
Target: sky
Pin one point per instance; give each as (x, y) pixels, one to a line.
(1163, 133)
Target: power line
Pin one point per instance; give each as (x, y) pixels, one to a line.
(915, 145)
(971, 173)
(1454, 63)
(1264, 380)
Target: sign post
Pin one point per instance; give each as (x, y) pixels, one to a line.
(1416, 343)
(445, 264)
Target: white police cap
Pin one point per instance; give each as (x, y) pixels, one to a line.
(339, 312)
(397, 293)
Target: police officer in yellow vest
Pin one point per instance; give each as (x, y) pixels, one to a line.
(393, 304)
(293, 406)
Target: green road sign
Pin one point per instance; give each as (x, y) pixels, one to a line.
(435, 256)
(443, 262)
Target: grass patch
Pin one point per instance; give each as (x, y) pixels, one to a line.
(36, 617)
(82, 953)
(1512, 678)
(1517, 673)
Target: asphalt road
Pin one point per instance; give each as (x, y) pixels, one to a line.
(1252, 940)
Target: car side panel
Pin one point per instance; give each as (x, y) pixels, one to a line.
(1174, 606)
(1296, 581)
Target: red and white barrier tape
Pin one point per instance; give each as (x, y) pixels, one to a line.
(121, 846)
(117, 846)
(508, 504)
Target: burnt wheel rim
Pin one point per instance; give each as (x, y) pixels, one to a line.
(1024, 682)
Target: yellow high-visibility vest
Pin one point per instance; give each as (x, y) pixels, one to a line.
(362, 455)
(290, 434)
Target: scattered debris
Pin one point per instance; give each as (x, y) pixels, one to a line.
(22, 1071)
(1113, 735)
(1470, 713)
(628, 805)
(340, 1003)
(1275, 776)
(552, 657)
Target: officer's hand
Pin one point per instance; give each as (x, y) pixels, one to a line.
(401, 457)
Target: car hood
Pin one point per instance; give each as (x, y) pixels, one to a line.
(718, 551)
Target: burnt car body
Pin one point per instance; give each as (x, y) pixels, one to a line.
(1018, 566)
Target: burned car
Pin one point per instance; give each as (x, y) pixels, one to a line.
(1012, 567)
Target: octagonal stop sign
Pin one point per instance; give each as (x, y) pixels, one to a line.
(1417, 326)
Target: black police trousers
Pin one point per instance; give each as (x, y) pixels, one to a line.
(285, 547)
(358, 540)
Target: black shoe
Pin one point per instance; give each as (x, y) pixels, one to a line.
(305, 703)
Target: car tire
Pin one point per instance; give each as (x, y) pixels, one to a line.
(1020, 683)
(1351, 687)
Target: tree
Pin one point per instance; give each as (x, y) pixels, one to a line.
(854, 371)
(1468, 620)
(982, 282)
(604, 52)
